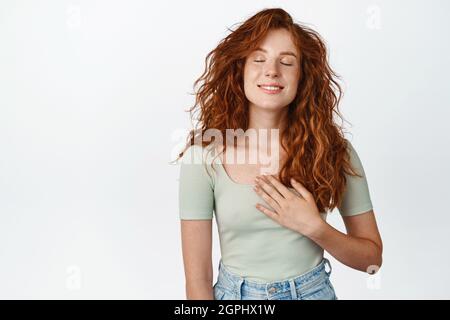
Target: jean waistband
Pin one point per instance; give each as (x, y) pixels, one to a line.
(305, 280)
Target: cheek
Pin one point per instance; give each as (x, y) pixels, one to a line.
(292, 90)
(250, 71)
(293, 81)
(250, 78)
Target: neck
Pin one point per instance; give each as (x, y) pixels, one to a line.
(267, 124)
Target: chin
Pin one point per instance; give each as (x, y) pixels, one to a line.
(269, 106)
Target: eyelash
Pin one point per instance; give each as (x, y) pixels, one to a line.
(286, 64)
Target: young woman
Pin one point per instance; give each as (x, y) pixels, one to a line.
(271, 77)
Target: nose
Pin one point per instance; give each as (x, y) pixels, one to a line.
(271, 69)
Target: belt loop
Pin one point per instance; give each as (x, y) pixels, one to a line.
(239, 289)
(329, 265)
(293, 290)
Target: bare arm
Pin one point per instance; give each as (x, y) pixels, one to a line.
(196, 236)
(360, 248)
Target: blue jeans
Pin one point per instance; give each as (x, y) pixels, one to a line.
(312, 285)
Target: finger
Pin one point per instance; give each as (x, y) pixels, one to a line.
(282, 189)
(267, 212)
(301, 189)
(274, 204)
(269, 189)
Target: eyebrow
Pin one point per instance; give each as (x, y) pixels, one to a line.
(283, 53)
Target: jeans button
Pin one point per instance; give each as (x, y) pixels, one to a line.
(272, 290)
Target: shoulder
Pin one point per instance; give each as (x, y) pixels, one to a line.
(353, 155)
(192, 154)
(349, 145)
(196, 170)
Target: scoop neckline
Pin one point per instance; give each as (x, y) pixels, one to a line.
(227, 177)
(231, 180)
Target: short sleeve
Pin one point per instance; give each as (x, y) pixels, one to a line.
(196, 187)
(356, 199)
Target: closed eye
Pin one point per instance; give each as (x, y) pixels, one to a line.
(286, 64)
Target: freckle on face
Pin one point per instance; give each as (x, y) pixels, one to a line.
(272, 69)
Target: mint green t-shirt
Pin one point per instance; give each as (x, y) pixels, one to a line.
(253, 245)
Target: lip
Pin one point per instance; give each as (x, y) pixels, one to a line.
(273, 84)
(271, 91)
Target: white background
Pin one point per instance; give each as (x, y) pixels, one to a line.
(92, 100)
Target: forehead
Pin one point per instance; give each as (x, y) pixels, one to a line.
(277, 41)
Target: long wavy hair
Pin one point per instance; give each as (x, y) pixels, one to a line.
(317, 152)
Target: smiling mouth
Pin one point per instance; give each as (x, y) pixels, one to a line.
(268, 86)
(271, 89)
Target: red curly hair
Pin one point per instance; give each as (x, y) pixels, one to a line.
(317, 152)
